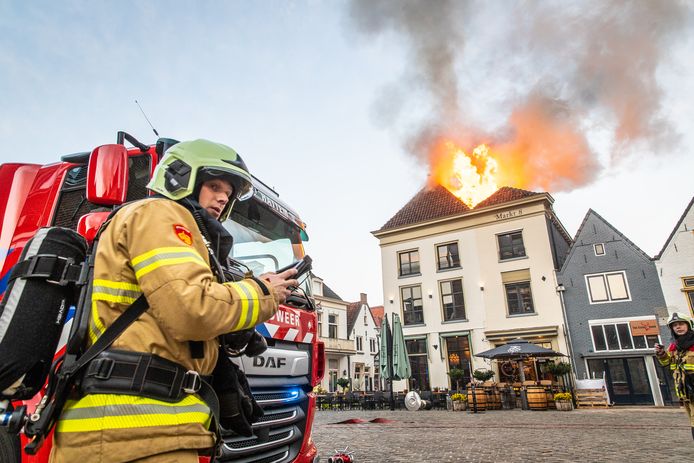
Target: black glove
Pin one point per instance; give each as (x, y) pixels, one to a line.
(248, 342)
(237, 407)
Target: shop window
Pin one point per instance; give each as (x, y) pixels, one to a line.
(448, 256)
(412, 311)
(332, 326)
(452, 300)
(458, 349)
(607, 287)
(620, 336)
(519, 298)
(417, 354)
(408, 262)
(511, 245)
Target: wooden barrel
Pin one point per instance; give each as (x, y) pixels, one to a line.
(493, 398)
(479, 396)
(537, 398)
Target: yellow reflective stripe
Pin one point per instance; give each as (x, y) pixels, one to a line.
(152, 260)
(243, 298)
(688, 366)
(132, 421)
(117, 285)
(96, 328)
(97, 412)
(255, 304)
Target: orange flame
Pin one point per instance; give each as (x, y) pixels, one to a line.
(470, 177)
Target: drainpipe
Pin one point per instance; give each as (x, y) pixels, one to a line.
(567, 334)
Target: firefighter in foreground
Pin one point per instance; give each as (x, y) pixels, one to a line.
(165, 248)
(680, 357)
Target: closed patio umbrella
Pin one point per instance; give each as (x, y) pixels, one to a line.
(383, 356)
(401, 363)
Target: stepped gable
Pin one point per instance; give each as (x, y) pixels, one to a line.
(428, 204)
(504, 195)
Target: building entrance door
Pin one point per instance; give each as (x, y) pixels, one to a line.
(626, 379)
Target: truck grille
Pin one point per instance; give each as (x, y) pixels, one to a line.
(278, 435)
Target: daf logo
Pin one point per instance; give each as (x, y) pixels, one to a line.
(269, 362)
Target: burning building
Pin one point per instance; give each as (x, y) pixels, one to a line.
(469, 266)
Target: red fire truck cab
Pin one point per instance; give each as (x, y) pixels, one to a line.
(267, 235)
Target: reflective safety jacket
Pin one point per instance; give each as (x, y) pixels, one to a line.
(153, 247)
(681, 364)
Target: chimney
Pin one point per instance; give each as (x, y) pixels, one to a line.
(362, 298)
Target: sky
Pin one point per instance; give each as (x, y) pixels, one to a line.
(336, 104)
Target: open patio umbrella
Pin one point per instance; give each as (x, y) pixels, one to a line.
(517, 350)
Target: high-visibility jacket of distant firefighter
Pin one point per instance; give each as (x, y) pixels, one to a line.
(153, 247)
(681, 364)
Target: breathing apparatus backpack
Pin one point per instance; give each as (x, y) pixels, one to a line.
(52, 277)
(43, 288)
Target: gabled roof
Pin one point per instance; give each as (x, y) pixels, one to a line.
(428, 204)
(352, 314)
(677, 227)
(575, 243)
(377, 313)
(327, 292)
(437, 202)
(505, 194)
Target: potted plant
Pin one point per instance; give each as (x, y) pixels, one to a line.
(457, 375)
(483, 375)
(559, 369)
(563, 401)
(343, 383)
(459, 401)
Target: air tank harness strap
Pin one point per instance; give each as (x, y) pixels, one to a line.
(50, 267)
(137, 373)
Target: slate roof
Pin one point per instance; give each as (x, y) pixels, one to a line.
(352, 314)
(437, 202)
(327, 292)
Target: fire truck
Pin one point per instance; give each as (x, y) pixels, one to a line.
(268, 235)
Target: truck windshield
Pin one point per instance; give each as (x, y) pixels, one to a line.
(263, 240)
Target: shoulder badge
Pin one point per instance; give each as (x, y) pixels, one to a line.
(183, 234)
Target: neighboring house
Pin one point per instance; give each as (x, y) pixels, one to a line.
(675, 265)
(611, 295)
(332, 330)
(466, 280)
(361, 327)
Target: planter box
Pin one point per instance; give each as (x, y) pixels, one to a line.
(564, 405)
(459, 406)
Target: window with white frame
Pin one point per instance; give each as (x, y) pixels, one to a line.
(607, 287)
(332, 326)
(360, 344)
(372, 345)
(615, 336)
(599, 249)
(320, 324)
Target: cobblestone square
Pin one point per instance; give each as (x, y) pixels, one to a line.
(632, 435)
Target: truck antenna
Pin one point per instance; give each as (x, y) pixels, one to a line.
(147, 119)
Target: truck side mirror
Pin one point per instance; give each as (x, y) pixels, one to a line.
(107, 175)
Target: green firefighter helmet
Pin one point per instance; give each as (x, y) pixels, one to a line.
(679, 317)
(187, 164)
